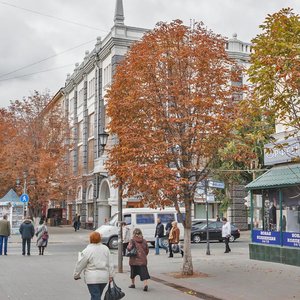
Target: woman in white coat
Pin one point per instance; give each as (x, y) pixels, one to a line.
(96, 263)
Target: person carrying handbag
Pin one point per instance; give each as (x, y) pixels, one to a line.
(138, 262)
(174, 240)
(97, 264)
(42, 237)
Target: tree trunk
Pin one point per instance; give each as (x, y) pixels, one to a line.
(187, 267)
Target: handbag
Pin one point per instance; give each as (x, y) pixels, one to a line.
(113, 292)
(132, 252)
(175, 248)
(45, 236)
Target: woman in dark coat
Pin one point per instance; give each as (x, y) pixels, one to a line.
(138, 263)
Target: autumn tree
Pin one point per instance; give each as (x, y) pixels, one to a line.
(275, 69)
(170, 106)
(7, 133)
(38, 148)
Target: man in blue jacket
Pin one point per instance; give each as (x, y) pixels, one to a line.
(27, 233)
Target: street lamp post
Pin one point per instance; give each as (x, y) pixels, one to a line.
(32, 182)
(103, 137)
(207, 230)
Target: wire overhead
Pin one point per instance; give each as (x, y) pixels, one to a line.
(30, 74)
(45, 59)
(52, 17)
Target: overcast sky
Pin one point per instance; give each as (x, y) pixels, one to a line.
(28, 36)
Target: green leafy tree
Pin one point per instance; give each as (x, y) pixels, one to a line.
(275, 69)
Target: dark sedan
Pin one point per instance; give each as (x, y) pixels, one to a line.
(198, 233)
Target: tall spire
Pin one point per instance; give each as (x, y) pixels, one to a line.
(119, 13)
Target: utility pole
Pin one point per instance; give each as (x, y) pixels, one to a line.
(206, 206)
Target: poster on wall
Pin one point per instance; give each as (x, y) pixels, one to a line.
(266, 237)
(291, 239)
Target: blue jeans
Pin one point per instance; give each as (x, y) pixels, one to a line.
(158, 243)
(4, 239)
(96, 290)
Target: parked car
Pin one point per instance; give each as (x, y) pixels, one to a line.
(143, 218)
(197, 222)
(198, 232)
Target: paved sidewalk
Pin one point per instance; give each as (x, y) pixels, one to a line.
(222, 276)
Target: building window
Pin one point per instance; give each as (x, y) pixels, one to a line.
(80, 160)
(91, 125)
(80, 132)
(91, 88)
(71, 106)
(107, 75)
(91, 155)
(80, 98)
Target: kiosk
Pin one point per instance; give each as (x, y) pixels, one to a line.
(11, 206)
(275, 215)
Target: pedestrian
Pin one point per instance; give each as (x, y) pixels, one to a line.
(78, 222)
(218, 218)
(96, 262)
(42, 237)
(138, 263)
(174, 240)
(27, 233)
(168, 228)
(125, 237)
(75, 221)
(159, 235)
(4, 234)
(226, 233)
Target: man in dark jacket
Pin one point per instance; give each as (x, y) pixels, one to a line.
(4, 234)
(159, 234)
(27, 233)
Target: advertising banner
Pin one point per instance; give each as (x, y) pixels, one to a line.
(291, 239)
(266, 237)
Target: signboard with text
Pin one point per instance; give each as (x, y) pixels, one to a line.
(266, 237)
(282, 152)
(291, 239)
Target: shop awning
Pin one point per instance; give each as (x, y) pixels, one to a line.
(280, 176)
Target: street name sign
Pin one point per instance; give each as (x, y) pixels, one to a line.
(24, 198)
(216, 184)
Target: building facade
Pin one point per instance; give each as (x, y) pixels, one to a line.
(84, 96)
(95, 197)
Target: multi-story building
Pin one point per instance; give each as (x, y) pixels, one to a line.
(96, 198)
(84, 92)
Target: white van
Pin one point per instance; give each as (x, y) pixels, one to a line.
(143, 218)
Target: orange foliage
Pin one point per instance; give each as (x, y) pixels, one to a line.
(36, 145)
(171, 107)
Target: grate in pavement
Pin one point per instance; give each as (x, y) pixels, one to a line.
(185, 290)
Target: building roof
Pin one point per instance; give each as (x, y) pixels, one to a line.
(280, 176)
